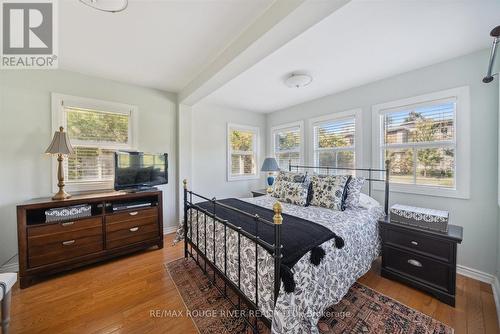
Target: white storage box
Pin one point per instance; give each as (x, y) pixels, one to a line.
(68, 213)
(436, 220)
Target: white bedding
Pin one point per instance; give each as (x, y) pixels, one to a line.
(317, 287)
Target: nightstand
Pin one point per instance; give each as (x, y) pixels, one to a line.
(258, 193)
(423, 259)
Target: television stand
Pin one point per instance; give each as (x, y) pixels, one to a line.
(47, 248)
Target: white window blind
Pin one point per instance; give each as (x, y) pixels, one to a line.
(242, 152)
(89, 164)
(287, 146)
(420, 143)
(334, 143)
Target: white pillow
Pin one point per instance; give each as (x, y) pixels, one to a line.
(367, 202)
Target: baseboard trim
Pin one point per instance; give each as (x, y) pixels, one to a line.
(11, 266)
(475, 274)
(486, 278)
(496, 294)
(169, 229)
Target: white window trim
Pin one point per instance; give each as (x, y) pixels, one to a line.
(255, 129)
(463, 138)
(58, 119)
(358, 135)
(285, 126)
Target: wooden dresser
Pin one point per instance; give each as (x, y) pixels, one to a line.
(46, 248)
(423, 259)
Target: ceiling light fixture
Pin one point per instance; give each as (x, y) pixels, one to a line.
(296, 80)
(112, 6)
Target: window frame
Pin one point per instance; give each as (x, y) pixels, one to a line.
(229, 150)
(461, 143)
(61, 101)
(339, 116)
(280, 128)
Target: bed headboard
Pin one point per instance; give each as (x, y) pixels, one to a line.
(371, 175)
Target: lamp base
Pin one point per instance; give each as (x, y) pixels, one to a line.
(270, 182)
(60, 195)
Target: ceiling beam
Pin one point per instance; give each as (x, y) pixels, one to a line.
(280, 23)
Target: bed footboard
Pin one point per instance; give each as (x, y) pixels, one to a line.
(210, 229)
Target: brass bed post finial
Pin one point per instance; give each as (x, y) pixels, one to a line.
(278, 209)
(185, 183)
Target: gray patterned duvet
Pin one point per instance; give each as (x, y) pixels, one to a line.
(317, 287)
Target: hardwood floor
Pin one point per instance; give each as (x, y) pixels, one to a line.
(119, 296)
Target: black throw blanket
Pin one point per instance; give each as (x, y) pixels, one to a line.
(298, 236)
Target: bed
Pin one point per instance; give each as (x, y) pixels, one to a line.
(259, 280)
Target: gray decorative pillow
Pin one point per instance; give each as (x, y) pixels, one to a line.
(354, 187)
(287, 177)
(329, 191)
(293, 192)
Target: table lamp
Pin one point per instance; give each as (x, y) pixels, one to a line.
(270, 165)
(61, 146)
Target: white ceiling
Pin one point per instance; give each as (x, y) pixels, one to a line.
(362, 42)
(159, 43)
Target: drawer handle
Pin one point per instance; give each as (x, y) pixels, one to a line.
(67, 223)
(414, 243)
(68, 243)
(134, 229)
(415, 263)
(133, 213)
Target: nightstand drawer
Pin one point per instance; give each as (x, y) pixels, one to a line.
(437, 248)
(429, 271)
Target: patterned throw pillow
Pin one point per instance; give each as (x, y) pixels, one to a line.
(290, 176)
(329, 191)
(293, 192)
(287, 177)
(354, 187)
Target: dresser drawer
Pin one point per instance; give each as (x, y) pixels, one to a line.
(54, 228)
(437, 248)
(422, 268)
(47, 239)
(129, 232)
(64, 246)
(130, 223)
(134, 214)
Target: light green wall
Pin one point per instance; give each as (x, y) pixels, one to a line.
(479, 214)
(25, 132)
(209, 145)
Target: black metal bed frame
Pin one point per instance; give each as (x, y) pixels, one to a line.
(370, 177)
(192, 250)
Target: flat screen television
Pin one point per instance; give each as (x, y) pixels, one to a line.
(138, 170)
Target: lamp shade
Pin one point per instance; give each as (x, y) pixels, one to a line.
(270, 165)
(60, 143)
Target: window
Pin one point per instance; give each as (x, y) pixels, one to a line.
(419, 137)
(335, 138)
(242, 145)
(287, 144)
(96, 130)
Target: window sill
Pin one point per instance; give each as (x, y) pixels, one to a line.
(243, 178)
(424, 190)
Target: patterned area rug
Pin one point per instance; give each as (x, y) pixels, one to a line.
(362, 310)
